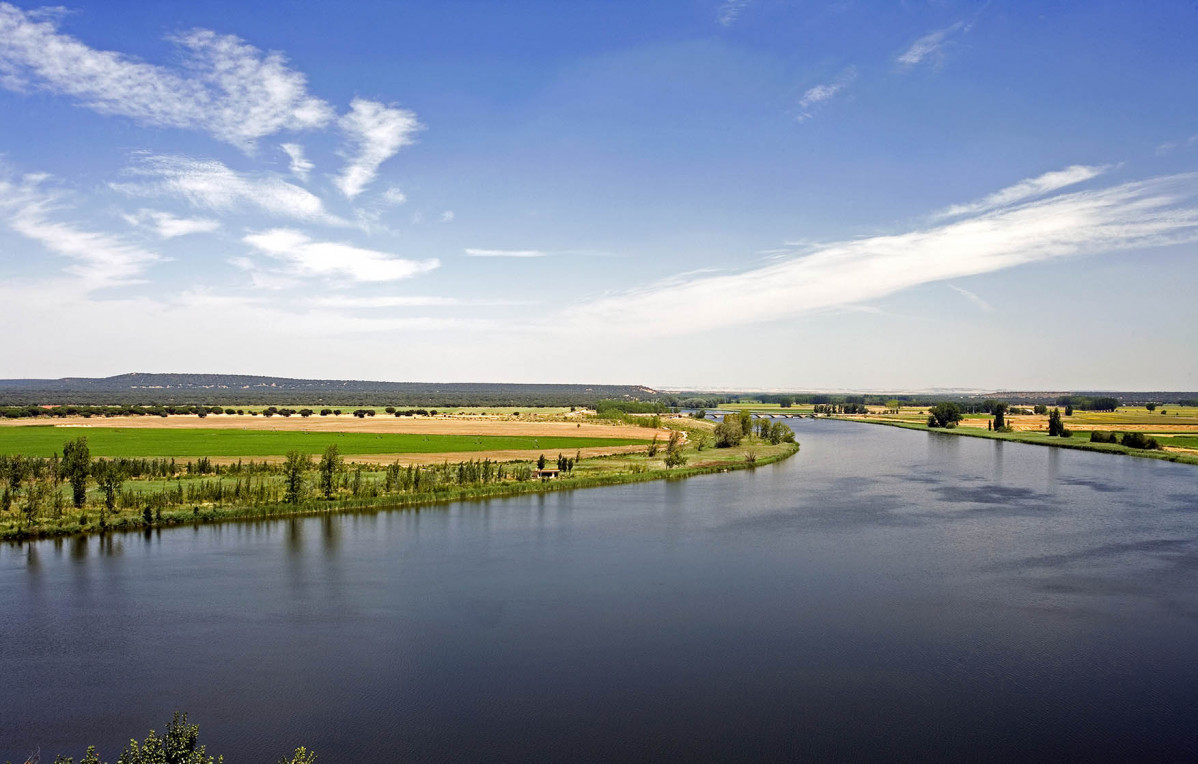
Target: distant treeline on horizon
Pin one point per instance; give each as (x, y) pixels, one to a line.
(178, 391)
(213, 389)
(1105, 401)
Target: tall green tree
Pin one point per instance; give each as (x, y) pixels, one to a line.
(728, 433)
(1055, 427)
(13, 469)
(109, 476)
(75, 467)
(294, 467)
(746, 422)
(330, 464)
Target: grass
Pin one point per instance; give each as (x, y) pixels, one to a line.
(1179, 441)
(1079, 440)
(151, 442)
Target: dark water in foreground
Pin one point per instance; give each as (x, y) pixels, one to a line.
(885, 594)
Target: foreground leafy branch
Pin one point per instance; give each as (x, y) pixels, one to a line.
(180, 745)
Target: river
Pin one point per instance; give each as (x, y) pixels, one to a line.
(883, 594)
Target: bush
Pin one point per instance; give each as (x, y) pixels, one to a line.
(944, 414)
(1140, 440)
(728, 432)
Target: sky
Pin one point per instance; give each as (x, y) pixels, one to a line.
(748, 194)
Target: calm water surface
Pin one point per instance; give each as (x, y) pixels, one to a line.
(884, 594)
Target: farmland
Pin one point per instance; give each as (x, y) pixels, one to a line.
(149, 471)
(1174, 427)
(195, 442)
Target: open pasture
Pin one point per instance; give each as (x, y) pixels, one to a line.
(195, 442)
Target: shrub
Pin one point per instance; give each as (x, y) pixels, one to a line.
(944, 414)
(1140, 440)
(728, 432)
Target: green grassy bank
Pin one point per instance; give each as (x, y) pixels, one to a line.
(1079, 440)
(596, 472)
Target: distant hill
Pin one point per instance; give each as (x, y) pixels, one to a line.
(164, 389)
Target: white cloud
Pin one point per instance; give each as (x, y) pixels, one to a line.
(978, 301)
(825, 91)
(394, 196)
(447, 216)
(225, 86)
(931, 44)
(1155, 212)
(169, 226)
(376, 132)
(1028, 189)
(209, 184)
(101, 259)
(505, 253)
(406, 302)
(730, 11)
(1169, 146)
(301, 167)
(333, 259)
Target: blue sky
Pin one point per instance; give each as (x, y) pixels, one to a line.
(738, 193)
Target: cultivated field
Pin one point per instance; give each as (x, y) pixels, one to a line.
(1176, 428)
(374, 439)
(195, 442)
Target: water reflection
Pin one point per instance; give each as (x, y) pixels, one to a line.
(978, 596)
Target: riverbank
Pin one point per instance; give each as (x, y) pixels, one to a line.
(1079, 441)
(591, 473)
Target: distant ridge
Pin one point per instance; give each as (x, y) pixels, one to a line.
(144, 388)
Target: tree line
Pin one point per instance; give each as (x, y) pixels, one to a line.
(734, 428)
(35, 488)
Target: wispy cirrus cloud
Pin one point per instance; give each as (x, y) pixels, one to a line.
(1169, 146)
(301, 166)
(825, 92)
(211, 185)
(406, 301)
(1155, 212)
(730, 11)
(375, 132)
(984, 306)
(1028, 189)
(307, 257)
(99, 259)
(169, 226)
(225, 86)
(931, 45)
(471, 252)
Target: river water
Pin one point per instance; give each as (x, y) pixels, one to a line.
(884, 594)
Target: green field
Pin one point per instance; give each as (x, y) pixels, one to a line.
(1178, 441)
(150, 442)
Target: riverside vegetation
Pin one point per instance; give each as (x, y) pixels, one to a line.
(180, 745)
(73, 492)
